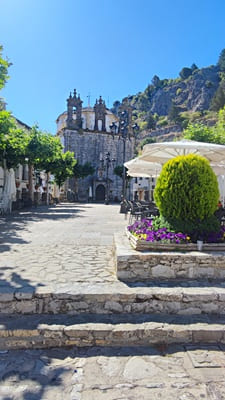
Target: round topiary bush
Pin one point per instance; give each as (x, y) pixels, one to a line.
(187, 190)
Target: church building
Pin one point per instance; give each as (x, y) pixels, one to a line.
(96, 136)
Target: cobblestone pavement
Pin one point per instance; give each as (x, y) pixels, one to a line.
(114, 374)
(48, 248)
(51, 246)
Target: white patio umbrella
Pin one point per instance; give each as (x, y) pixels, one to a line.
(219, 170)
(140, 168)
(162, 152)
(9, 192)
(90, 191)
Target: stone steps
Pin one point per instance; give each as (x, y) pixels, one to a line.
(118, 298)
(23, 332)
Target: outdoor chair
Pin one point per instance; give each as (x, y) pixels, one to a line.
(135, 211)
(220, 214)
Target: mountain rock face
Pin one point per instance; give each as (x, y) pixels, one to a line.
(192, 94)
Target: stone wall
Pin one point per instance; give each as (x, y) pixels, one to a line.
(90, 147)
(134, 265)
(162, 131)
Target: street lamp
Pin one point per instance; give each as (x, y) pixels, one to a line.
(113, 128)
(106, 163)
(124, 134)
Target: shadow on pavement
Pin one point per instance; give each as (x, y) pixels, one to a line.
(32, 373)
(15, 283)
(200, 283)
(11, 225)
(29, 384)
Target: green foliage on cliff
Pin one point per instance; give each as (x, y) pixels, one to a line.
(195, 90)
(209, 134)
(221, 61)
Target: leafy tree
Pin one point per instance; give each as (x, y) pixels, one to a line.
(63, 167)
(4, 65)
(185, 72)
(218, 100)
(118, 170)
(82, 171)
(148, 140)
(151, 123)
(221, 61)
(155, 80)
(42, 150)
(13, 141)
(203, 133)
(199, 132)
(115, 107)
(219, 129)
(143, 102)
(174, 113)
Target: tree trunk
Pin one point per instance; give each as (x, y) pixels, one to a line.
(76, 188)
(47, 189)
(30, 180)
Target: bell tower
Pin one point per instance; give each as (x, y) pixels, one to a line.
(74, 107)
(100, 113)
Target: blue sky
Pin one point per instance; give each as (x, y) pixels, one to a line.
(106, 47)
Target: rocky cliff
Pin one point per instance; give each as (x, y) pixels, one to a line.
(191, 94)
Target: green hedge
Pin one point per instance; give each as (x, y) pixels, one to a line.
(187, 190)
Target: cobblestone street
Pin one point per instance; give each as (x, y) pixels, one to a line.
(54, 246)
(184, 373)
(63, 247)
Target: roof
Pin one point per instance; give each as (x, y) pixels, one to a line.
(85, 109)
(22, 124)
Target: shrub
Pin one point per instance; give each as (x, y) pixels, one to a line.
(162, 122)
(179, 91)
(187, 190)
(209, 84)
(143, 125)
(207, 230)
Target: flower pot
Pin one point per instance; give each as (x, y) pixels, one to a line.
(199, 245)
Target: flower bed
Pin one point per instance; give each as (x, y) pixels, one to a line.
(143, 236)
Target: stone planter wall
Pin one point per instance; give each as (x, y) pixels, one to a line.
(152, 265)
(142, 245)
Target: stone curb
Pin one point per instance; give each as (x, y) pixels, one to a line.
(100, 334)
(156, 299)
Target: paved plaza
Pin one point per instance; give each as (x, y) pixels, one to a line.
(113, 374)
(54, 249)
(58, 246)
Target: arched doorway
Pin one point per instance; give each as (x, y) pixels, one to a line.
(100, 193)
